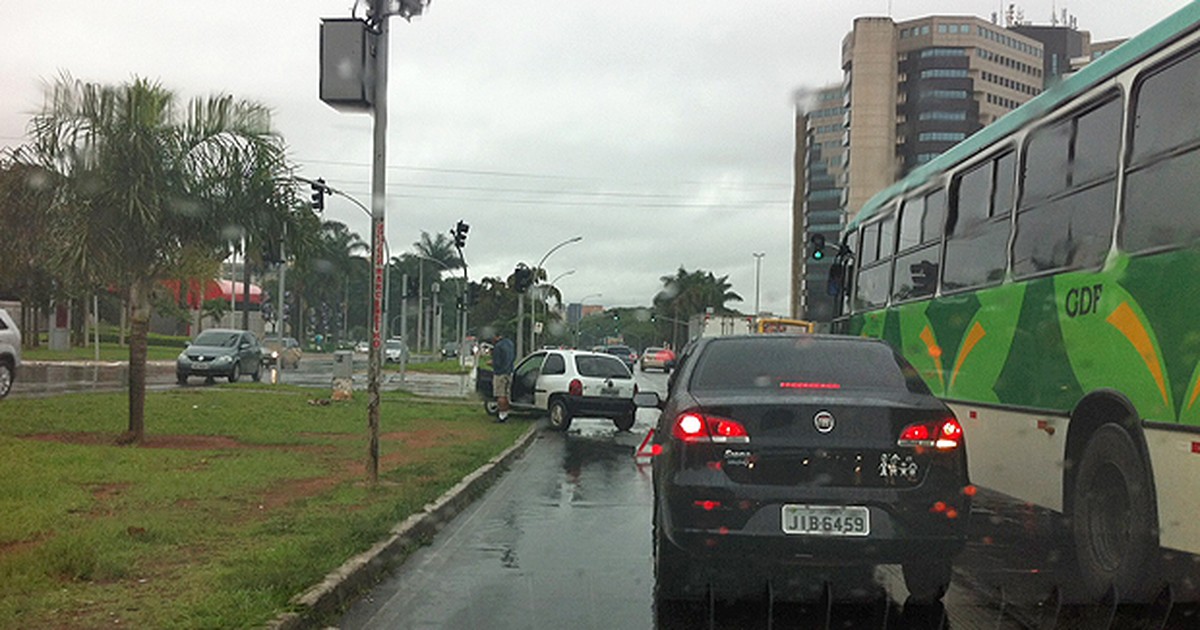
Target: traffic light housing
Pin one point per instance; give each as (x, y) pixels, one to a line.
(318, 195)
(818, 243)
(522, 278)
(460, 234)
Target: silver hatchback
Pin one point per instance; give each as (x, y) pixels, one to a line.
(10, 352)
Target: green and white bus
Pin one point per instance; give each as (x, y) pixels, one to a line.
(1044, 277)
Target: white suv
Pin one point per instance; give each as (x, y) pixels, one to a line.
(10, 352)
(569, 383)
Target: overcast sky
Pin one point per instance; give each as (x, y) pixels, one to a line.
(660, 131)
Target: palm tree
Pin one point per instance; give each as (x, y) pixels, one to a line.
(688, 293)
(440, 248)
(324, 264)
(142, 180)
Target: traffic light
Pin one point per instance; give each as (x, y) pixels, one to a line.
(318, 195)
(460, 234)
(522, 278)
(818, 243)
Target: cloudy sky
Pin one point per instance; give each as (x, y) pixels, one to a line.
(660, 131)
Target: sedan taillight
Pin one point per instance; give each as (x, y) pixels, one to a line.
(697, 427)
(944, 435)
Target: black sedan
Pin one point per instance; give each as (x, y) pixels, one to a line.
(779, 454)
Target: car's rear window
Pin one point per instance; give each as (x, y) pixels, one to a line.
(600, 366)
(802, 364)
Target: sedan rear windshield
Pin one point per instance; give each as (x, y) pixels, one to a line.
(802, 364)
(601, 367)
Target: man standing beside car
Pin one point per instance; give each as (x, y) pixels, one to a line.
(503, 355)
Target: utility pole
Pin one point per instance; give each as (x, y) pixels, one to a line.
(379, 15)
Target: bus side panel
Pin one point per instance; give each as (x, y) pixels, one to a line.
(1111, 343)
(985, 346)
(1176, 457)
(1017, 453)
(1162, 293)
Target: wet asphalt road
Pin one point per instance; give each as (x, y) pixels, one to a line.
(563, 540)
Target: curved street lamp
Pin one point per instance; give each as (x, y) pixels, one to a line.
(521, 296)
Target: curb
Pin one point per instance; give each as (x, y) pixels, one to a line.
(343, 585)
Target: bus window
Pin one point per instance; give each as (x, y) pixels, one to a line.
(915, 272)
(874, 276)
(1166, 103)
(911, 213)
(870, 244)
(1071, 229)
(1161, 187)
(976, 241)
(1006, 182)
(1046, 161)
(935, 215)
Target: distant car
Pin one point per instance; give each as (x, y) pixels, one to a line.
(569, 383)
(220, 352)
(450, 350)
(362, 347)
(656, 358)
(394, 350)
(285, 353)
(778, 453)
(624, 353)
(10, 352)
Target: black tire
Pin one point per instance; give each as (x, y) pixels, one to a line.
(927, 582)
(560, 415)
(491, 407)
(257, 375)
(625, 422)
(1114, 518)
(236, 372)
(7, 376)
(181, 378)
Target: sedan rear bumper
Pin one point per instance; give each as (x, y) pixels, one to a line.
(599, 406)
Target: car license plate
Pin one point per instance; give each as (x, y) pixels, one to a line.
(610, 391)
(826, 520)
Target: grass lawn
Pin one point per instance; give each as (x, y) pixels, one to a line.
(108, 352)
(241, 497)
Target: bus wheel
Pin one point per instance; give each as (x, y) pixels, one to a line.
(1113, 518)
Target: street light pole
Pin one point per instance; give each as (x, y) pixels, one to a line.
(758, 256)
(536, 271)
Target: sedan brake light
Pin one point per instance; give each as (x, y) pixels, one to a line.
(696, 427)
(943, 435)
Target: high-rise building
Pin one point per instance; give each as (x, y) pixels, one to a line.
(910, 91)
(818, 173)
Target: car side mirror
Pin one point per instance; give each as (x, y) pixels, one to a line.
(648, 400)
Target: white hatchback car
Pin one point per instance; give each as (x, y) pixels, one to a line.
(569, 383)
(10, 352)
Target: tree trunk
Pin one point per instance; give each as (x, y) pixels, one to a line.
(245, 291)
(139, 327)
